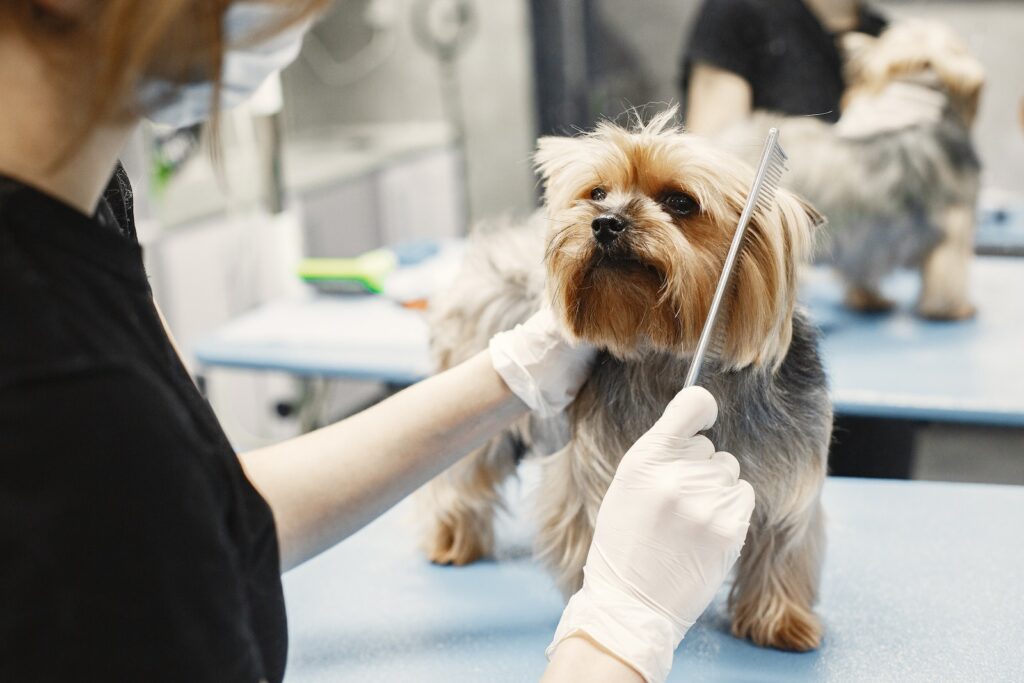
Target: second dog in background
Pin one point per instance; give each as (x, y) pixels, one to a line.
(897, 176)
(628, 252)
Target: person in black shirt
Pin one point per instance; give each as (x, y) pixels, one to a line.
(775, 55)
(138, 546)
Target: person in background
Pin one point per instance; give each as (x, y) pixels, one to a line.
(775, 55)
(138, 546)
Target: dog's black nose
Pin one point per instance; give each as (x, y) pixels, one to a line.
(607, 227)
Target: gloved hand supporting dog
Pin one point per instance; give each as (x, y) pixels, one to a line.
(668, 531)
(539, 365)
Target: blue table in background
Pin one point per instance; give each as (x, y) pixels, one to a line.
(890, 366)
(921, 583)
(896, 365)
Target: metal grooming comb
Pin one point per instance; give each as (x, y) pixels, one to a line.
(762, 194)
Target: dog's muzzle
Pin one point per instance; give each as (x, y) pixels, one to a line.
(608, 226)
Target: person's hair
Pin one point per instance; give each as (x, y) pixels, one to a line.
(125, 41)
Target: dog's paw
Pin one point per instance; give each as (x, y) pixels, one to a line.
(454, 542)
(795, 630)
(944, 311)
(866, 301)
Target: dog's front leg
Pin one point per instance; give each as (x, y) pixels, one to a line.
(944, 270)
(459, 504)
(777, 579)
(866, 299)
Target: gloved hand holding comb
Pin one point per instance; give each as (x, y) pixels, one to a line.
(669, 530)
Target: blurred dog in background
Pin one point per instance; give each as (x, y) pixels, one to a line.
(897, 176)
(628, 252)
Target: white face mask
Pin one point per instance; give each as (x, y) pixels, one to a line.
(245, 68)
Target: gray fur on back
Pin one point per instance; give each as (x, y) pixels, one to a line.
(881, 194)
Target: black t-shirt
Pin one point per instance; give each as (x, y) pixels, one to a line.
(780, 48)
(134, 547)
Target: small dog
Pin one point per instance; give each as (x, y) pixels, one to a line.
(897, 176)
(628, 252)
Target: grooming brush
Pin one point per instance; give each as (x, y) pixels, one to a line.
(762, 194)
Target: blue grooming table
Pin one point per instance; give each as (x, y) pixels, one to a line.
(363, 337)
(921, 583)
(892, 365)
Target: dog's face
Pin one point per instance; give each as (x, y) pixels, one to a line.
(914, 48)
(641, 222)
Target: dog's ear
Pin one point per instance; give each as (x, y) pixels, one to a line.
(778, 244)
(558, 159)
(963, 77)
(554, 152)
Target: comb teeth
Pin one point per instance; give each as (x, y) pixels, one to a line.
(776, 166)
(762, 196)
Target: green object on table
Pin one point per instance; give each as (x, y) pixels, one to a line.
(367, 272)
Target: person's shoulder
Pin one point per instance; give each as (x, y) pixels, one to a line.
(53, 318)
(107, 447)
(726, 34)
(39, 335)
(86, 418)
(733, 25)
(735, 10)
(36, 320)
(126, 557)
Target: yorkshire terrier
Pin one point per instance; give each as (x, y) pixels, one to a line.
(628, 251)
(897, 176)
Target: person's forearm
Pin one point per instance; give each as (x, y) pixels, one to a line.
(327, 484)
(581, 659)
(716, 100)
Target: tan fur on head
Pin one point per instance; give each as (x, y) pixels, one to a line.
(653, 287)
(914, 47)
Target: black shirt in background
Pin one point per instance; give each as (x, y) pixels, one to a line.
(134, 548)
(780, 48)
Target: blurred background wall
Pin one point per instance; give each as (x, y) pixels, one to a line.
(402, 83)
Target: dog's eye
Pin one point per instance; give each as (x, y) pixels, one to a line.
(680, 203)
(598, 193)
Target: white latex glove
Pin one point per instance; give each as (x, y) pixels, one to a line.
(539, 365)
(899, 105)
(669, 530)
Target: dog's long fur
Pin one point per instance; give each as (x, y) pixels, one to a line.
(642, 300)
(902, 197)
